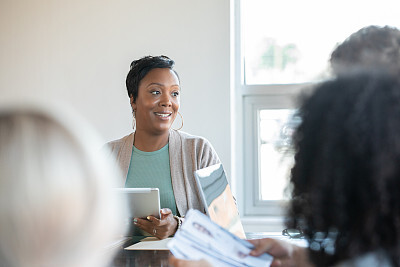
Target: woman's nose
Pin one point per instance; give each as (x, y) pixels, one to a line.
(165, 101)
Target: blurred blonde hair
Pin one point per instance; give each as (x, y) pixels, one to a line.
(56, 203)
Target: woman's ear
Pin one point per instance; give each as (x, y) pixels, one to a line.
(133, 104)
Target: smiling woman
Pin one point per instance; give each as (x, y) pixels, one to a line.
(155, 155)
(157, 105)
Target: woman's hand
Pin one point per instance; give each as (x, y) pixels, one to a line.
(284, 253)
(185, 263)
(161, 228)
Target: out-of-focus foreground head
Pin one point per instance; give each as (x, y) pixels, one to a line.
(346, 177)
(56, 203)
(372, 47)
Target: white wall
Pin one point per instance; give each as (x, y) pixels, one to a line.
(79, 51)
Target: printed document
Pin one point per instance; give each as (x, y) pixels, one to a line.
(200, 238)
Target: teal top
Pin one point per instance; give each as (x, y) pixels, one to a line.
(152, 169)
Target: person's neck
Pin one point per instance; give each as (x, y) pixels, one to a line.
(148, 143)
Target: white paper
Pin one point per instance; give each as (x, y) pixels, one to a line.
(150, 243)
(200, 238)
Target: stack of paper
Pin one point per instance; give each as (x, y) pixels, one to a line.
(150, 243)
(200, 238)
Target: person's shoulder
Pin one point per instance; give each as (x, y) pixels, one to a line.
(197, 144)
(187, 137)
(115, 144)
(194, 146)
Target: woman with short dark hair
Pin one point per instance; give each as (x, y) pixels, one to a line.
(155, 155)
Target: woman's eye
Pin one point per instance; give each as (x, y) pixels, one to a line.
(155, 92)
(175, 93)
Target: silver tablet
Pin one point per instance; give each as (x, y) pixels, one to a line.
(142, 201)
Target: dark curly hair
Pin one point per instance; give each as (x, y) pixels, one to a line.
(345, 182)
(140, 68)
(369, 48)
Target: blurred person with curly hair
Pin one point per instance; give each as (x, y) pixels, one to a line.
(345, 182)
(369, 48)
(346, 177)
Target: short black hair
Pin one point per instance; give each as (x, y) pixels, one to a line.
(345, 182)
(140, 68)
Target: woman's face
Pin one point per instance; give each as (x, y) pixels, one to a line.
(157, 102)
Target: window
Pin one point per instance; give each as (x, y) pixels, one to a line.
(276, 127)
(281, 49)
(268, 124)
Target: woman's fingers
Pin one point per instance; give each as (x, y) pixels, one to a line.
(161, 228)
(274, 247)
(261, 246)
(165, 211)
(145, 225)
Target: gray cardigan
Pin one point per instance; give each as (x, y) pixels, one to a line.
(187, 153)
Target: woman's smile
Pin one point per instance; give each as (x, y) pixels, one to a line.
(166, 115)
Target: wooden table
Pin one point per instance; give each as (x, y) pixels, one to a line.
(128, 258)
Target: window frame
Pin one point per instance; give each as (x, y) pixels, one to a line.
(247, 100)
(255, 98)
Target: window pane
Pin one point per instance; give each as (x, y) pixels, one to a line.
(290, 41)
(276, 157)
